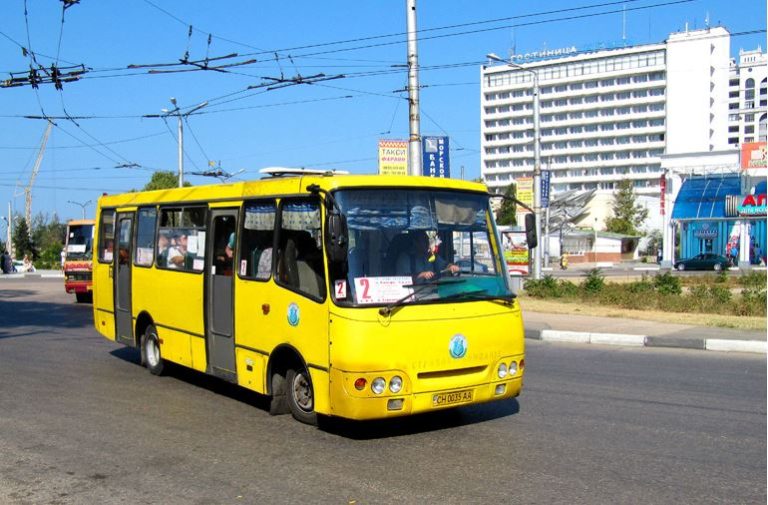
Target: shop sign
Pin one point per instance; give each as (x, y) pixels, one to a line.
(705, 231)
(752, 205)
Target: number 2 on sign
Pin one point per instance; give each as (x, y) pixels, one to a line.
(366, 284)
(341, 289)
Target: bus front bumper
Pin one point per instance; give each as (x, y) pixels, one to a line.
(394, 405)
(78, 286)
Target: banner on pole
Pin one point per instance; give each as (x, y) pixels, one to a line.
(525, 192)
(545, 175)
(435, 159)
(393, 157)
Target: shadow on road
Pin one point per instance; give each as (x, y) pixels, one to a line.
(17, 316)
(421, 423)
(356, 430)
(198, 379)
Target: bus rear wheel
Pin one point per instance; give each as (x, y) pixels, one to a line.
(301, 396)
(150, 351)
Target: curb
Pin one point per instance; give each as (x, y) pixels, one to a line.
(706, 344)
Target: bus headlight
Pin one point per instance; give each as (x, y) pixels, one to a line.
(513, 368)
(502, 370)
(378, 385)
(396, 384)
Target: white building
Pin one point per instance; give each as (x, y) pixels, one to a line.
(610, 115)
(748, 98)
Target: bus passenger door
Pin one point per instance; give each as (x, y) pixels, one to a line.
(122, 279)
(219, 297)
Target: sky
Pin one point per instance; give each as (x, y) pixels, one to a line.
(350, 54)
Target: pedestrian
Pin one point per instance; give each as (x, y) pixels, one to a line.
(27, 265)
(2, 262)
(8, 267)
(63, 258)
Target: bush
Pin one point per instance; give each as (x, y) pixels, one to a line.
(720, 294)
(753, 280)
(568, 289)
(546, 287)
(667, 284)
(594, 282)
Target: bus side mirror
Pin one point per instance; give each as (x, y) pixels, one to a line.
(530, 231)
(336, 226)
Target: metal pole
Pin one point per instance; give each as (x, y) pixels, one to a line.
(414, 140)
(546, 237)
(181, 153)
(536, 175)
(9, 246)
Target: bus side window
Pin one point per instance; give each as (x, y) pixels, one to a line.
(145, 237)
(257, 240)
(300, 253)
(107, 236)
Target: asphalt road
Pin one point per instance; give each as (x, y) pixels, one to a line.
(82, 423)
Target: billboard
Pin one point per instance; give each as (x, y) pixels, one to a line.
(516, 252)
(393, 157)
(753, 156)
(434, 155)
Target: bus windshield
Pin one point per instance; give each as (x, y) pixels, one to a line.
(79, 242)
(411, 246)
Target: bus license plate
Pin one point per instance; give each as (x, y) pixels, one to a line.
(452, 398)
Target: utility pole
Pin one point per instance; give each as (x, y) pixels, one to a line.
(536, 159)
(176, 111)
(9, 221)
(414, 140)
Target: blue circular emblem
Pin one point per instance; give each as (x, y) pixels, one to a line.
(293, 314)
(458, 346)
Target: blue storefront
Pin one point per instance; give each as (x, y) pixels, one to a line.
(713, 212)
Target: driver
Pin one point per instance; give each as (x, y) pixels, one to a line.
(422, 262)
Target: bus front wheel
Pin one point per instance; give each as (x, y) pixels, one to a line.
(150, 351)
(301, 396)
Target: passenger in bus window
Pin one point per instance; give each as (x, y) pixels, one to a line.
(178, 256)
(162, 248)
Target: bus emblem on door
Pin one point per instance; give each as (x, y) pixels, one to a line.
(293, 314)
(458, 346)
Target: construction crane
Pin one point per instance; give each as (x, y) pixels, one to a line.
(35, 169)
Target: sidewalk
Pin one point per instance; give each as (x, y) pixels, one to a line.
(45, 274)
(601, 330)
(634, 332)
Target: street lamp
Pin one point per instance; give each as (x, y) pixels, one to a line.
(83, 205)
(176, 111)
(536, 159)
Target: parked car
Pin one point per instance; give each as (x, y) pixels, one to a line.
(706, 261)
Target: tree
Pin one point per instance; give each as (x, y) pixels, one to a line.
(48, 236)
(22, 242)
(164, 179)
(628, 215)
(507, 213)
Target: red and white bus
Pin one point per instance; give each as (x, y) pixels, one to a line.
(78, 266)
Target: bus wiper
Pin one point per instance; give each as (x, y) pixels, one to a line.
(474, 294)
(418, 288)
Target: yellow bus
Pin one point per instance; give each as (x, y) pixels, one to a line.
(355, 296)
